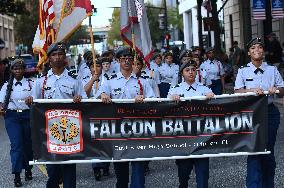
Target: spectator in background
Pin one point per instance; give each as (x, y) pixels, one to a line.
(273, 50)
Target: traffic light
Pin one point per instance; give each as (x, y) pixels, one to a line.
(167, 36)
(94, 10)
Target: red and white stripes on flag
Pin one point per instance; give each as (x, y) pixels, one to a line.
(133, 18)
(259, 14)
(58, 19)
(277, 8)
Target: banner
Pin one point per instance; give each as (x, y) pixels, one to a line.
(153, 130)
(133, 20)
(277, 8)
(258, 10)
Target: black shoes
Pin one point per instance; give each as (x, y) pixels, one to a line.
(17, 180)
(28, 175)
(97, 174)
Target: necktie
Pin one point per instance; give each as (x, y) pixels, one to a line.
(211, 62)
(191, 88)
(258, 70)
(18, 83)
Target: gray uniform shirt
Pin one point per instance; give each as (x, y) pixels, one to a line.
(19, 93)
(121, 88)
(185, 90)
(169, 73)
(58, 87)
(214, 70)
(84, 73)
(248, 79)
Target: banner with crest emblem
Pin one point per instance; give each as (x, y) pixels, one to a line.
(90, 132)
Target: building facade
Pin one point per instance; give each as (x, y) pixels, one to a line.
(240, 25)
(7, 35)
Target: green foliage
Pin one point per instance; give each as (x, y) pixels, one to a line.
(12, 7)
(175, 19)
(114, 32)
(26, 25)
(78, 35)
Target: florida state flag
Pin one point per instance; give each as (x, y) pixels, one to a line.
(133, 19)
(58, 19)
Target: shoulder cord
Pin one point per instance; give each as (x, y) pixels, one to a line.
(199, 75)
(43, 86)
(140, 86)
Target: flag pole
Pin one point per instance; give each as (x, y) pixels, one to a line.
(93, 49)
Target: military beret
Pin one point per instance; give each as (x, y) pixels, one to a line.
(18, 61)
(254, 41)
(124, 51)
(168, 53)
(271, 35)
(185, 53)
(106, 53)
(187, 64)
(88, 55)
(56, 46)
(194, 48)
(156, 55)
(209, 49)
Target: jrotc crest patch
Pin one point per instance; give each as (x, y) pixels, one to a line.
(64, 131)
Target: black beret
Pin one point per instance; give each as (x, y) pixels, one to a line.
(156, 55)
(194, 48)
(209, 49)
(124, 51)
(88, 55)
(185, 53)
(254, 41)
(168, 53)
(18, 61)
(187, 64)
(56, 46)
(106, 53)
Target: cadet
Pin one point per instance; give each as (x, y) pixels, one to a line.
(201, 73)
(57, 84)
(84, 73)
(114, 65)
(92, 90)
(168, 73)
(17, 120)
(106, 71)
(215, 72)
(188, 88)
(125, 85)
(257, 77)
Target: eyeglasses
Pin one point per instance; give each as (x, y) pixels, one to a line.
(126, 59)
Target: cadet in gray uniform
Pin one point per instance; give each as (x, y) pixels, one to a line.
(17, 120)
(125, 85)
(257, 76)
(168, 72)
(84, 73)
(57, 84)
(189, 88)
(215, 72)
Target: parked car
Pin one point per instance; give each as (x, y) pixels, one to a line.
(31, 64)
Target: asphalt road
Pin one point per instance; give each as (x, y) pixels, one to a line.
(225, 172)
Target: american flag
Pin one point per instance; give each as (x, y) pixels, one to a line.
(258, 10)
(277, 8)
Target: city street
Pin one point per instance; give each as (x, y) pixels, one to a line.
(224, 172)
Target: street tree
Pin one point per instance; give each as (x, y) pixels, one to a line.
(114, 32)
(12, 7)
(26, 24)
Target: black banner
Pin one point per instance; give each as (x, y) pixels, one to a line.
(117, 131)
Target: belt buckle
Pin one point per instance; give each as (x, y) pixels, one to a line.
(19, 111)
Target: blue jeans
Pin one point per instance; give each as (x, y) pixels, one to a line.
(122, 173)
(261, 168)
(18, 129)
(164, 89)
(57, 171)
(185, 167)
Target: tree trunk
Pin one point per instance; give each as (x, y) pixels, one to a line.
(199, 18)
(217, 30)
